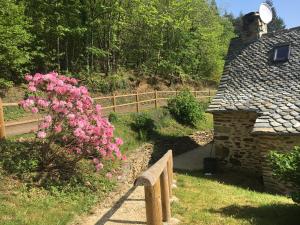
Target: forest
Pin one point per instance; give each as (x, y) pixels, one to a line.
(96, 39)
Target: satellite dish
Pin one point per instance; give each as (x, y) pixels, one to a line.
(265, 13)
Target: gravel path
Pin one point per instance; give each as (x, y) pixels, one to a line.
(129, 209)
(127, 205)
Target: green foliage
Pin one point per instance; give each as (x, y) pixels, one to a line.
(186, 109)
(4, 86)
(113, 117)
(15, 38)
(14, 113)
(143, 124)
(15, 157)
(105, 84)
(277, 22)
(225, 200)
(170, 39)
(286, 167)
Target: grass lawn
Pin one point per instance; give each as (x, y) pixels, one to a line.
(57, 203)
(14, 113)
(207, 201)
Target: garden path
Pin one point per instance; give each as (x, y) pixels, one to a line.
(129, 207)
(193, 160)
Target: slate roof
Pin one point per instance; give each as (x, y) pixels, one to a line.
(253, 82)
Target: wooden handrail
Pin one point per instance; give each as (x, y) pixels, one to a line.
(157, 182)
(150, 177)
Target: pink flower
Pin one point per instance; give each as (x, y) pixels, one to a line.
(41, 134)
(119, 141)
(124, 158)
(28, 77)
(99, 166)
(109, 175)
(32, 88)
(96, 161)
(43, 103)
(48, 119)
(34, 110)
(71, 107)
(58, 128)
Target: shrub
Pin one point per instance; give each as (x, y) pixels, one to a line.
(4, 86)
(143, 124)
(286, 167)
(105, 84)
(72, 124)
(186, 109)
(113, 117)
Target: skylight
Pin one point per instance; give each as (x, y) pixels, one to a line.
(281, 53)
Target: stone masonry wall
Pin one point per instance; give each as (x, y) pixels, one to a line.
(234, 143)
(281, 144)
(238, 148)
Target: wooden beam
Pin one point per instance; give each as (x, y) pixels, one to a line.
(150, 176)
(165, 197)
(153, 204)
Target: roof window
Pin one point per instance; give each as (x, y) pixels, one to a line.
(281, 53)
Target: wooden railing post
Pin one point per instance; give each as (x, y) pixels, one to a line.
(2, 123)
(157, 181)
(165, 197)
(114, 102)
(153, 204)
(209, 99)
(156, 105)
(170, 174)
(137, 102)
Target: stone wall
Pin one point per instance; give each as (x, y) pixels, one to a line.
(238, 148)
(281, 144)
(234, 143)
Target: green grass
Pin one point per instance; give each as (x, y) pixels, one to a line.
(13, 113)
(57, 203)
(204, 201)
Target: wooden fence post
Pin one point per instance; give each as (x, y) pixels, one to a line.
(137, 102)
(153, 204)
(156, 106)
(2, 124)
(114, 102)
(165, 196)
(170, 175)
(209, 99)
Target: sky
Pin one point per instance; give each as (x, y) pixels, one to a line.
(288, 10)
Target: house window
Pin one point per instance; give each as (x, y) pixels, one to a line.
(281, 53)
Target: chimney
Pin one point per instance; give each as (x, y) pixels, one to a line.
(253, 27)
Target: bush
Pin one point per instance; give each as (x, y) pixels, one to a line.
(113, 117)
(286, 167)
(143, 124)
(186, 109)
(4, 86)
(105, 84)
(72, 124)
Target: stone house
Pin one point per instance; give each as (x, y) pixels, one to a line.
(257, 106)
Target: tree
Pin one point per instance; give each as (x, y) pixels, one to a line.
(14, 36)
(277, 22)
(162, 38)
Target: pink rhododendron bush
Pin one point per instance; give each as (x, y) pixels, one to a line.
(72, 125)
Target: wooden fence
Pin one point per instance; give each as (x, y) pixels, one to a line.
(158, 182)
(156, 97)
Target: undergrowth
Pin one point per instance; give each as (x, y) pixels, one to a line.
(67, 193)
